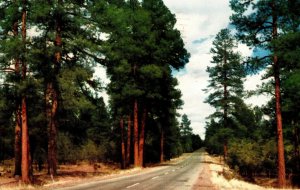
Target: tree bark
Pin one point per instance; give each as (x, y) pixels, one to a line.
(123, 161)
(128, 141)
(25, 137)
(51, 106)
(18, 138)
(142, 138)
(25, 144)
(135, 134)
(161, 145)
(52, 102)
(280, 144)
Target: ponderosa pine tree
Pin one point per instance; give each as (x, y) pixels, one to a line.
(167, 52)
(15, 51)
(258, 23)
(68, 43)
(144, 64)
(165, 109)
(186, 134)
(125, 52)
(25, 167)
(8, 9)
(226, 80)
(287, 48)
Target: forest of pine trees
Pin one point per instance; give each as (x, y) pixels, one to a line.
(51, 110)
(257, 141)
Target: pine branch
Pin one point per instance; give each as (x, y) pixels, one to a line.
(96, 58)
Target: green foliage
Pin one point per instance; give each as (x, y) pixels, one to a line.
(246, 153)
(226, 74)
(186, 133)
(91, 152)
(67, 151)
(138, 44)
(252, 157)
(152, 71)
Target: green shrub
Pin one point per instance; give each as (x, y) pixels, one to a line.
(91, 152)
(67, 152)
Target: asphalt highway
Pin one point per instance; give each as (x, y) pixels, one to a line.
(179, 176)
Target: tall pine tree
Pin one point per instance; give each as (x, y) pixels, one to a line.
(258, 24)
(226, 80)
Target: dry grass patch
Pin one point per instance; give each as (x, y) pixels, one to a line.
(225, 179)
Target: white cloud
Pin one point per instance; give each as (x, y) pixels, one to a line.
(199, 21)
(100, 72)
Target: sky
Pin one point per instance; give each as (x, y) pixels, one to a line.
(199, 21)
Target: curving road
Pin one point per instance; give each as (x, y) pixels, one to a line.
(180, 176)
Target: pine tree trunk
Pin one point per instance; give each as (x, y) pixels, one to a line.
(25, 137)
(52, 102)
(18, 138)
(135, 135)
(225, 148)
(280, 144)
(142, 138)
(51, 106)
(123, 161)
(161, 145)
(25, 145)
(18, 148)
(128, 141)
(225, 105)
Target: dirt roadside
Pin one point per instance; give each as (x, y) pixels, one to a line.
(214, 176)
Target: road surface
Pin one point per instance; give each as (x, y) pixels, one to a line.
(179, 176)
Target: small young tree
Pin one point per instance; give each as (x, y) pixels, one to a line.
(186, 134)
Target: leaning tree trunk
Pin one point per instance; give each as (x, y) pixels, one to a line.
(25, 168)
(280, 144)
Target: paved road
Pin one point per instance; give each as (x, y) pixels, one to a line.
(180, 176)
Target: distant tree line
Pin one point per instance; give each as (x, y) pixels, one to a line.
(51, 111)
(257, 140)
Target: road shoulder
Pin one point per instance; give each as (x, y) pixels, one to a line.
(204, 181)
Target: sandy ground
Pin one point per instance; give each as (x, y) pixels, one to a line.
(216, 175)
